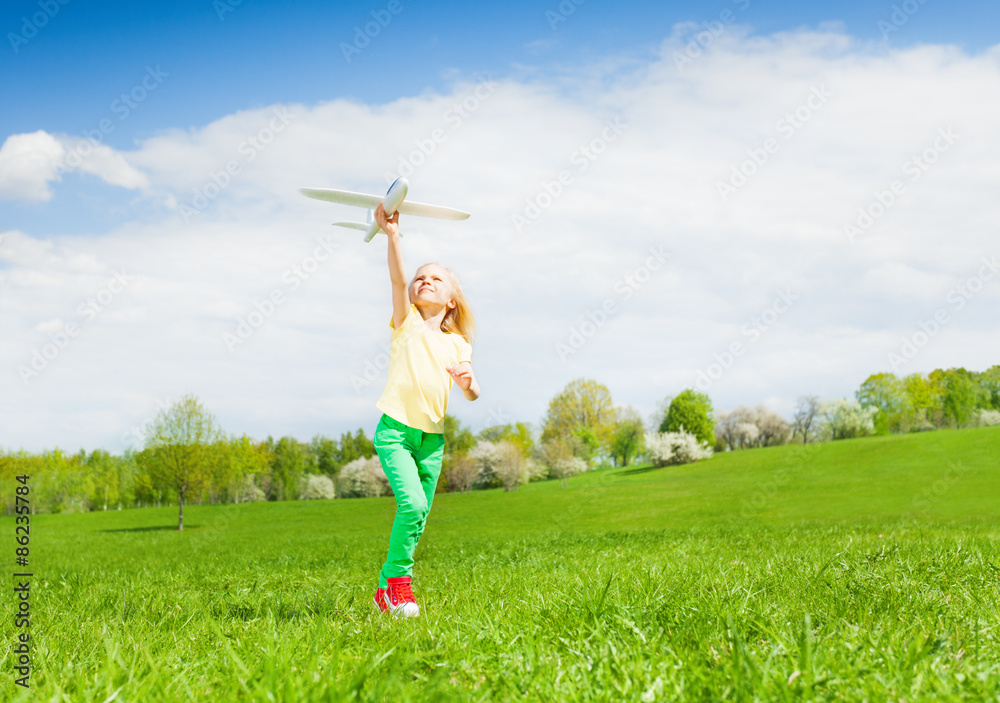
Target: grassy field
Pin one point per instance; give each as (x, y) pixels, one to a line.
(857, 570)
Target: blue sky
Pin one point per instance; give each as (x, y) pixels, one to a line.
(871, 104)
(226, 56)
(261, 53)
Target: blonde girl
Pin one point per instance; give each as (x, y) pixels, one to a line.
(432, 333)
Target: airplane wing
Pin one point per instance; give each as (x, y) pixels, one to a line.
(408, 207)
(345, 197)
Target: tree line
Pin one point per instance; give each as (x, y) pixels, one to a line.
(186, 458)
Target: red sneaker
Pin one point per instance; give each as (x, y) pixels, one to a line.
(379, 600)
(399, 598)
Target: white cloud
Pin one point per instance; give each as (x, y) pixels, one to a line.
(655, 184)
(29, 162)
(108, 165)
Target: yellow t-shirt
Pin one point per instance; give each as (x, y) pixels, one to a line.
(418, 385)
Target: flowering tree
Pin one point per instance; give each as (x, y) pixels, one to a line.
(484, 457)
(509, 466)
(565, 467)
(363, 478)
(847, 418)
(668, 448)
(316, 487)
(989, 417)
(461, 473)
(751, 427)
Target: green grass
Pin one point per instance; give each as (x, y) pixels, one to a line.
(857, 570)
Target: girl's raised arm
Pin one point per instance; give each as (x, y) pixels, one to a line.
(397, 273)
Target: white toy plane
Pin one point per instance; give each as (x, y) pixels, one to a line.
(392, 201)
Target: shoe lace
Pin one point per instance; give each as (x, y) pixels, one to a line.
(402, 593)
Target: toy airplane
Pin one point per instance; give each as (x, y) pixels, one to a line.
(392, 201)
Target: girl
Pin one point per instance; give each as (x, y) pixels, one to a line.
(432, 327)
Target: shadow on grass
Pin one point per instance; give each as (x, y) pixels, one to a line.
(641, 470)
(155, 528)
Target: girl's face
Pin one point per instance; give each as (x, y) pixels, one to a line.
(430, 286)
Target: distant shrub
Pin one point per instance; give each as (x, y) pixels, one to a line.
(363, 478)
(509, 467)
(247, 491)
(847, 418)
(668, 448)
(563, 468)
(745, 427)
(316, 487)
(484, 456)
(460, 473)
(747, 434)
(557, 458)
(536, 470)
(989, 417)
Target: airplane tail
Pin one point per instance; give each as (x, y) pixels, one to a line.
(369, 227)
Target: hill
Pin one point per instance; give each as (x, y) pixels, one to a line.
(860, 569)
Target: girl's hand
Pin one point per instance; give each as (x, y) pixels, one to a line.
(462, 374)
(388, 225)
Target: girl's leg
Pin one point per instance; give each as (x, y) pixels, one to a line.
(428, 461)
(396, 445)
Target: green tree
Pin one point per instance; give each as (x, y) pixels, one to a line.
(887, 393)
(128, 471)
(989, 383)
(588, 444)
(178, 450)
(960, 396)
(924, 398)
(100, 468)
(290, 460)
(248, 462)
(223, 470)
(519, 434)
(325, 455)
(356, 446)
(629, 436)
(363, 445)
(458, 471)
(457, 439)
(692, 412)
(582, 404)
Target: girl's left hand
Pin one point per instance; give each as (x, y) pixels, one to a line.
(389, 225)
(462, 374)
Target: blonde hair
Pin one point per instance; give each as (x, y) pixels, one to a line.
(459, 319)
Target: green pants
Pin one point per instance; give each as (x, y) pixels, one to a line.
(411, 459)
